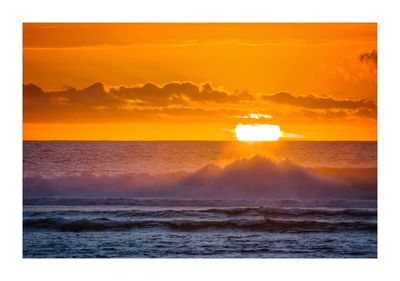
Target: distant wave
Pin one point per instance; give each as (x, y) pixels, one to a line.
(227, 212)
(199, 202)
(271, 225)
(257, 177)
(271, 212)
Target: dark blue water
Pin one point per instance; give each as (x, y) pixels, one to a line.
(184, 200)
(89, 228)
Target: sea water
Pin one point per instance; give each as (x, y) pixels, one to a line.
(200, 199)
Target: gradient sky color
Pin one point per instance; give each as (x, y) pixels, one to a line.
(198, 81)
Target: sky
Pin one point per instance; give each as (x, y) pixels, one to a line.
(198, 81)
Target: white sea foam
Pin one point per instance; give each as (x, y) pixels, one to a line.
(257, 177)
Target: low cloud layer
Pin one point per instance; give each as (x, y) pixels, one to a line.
(149, 94)
(176, 93)
(181, 102)
(315, 102)
(128, 104)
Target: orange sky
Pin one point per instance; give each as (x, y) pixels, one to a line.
(198, 81)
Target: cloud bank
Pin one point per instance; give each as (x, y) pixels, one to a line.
(173, 93)
(314, 102)
(179, 101)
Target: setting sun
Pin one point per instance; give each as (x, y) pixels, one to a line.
(258, 132)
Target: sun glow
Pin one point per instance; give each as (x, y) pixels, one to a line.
(262, 132)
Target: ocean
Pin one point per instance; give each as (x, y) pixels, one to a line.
(199, 199)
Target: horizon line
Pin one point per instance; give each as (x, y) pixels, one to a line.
(161, 140)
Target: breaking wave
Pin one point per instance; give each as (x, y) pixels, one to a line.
(271, 225)
(257, 177)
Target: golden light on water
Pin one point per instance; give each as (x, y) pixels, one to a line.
(262, 132)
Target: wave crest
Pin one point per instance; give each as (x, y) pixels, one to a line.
(257, 177)
(270, 225)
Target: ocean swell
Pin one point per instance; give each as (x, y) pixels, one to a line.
(365, 213)
(271, 225)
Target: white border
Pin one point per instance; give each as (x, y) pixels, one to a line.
(15, 12)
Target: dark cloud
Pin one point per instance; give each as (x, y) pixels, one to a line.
(94, 95)
(176, 93)
(367, 113)
(369, 58)
(145, 103)
(314, 102)
(176, 101)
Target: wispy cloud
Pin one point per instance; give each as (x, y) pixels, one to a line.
(316, 102)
